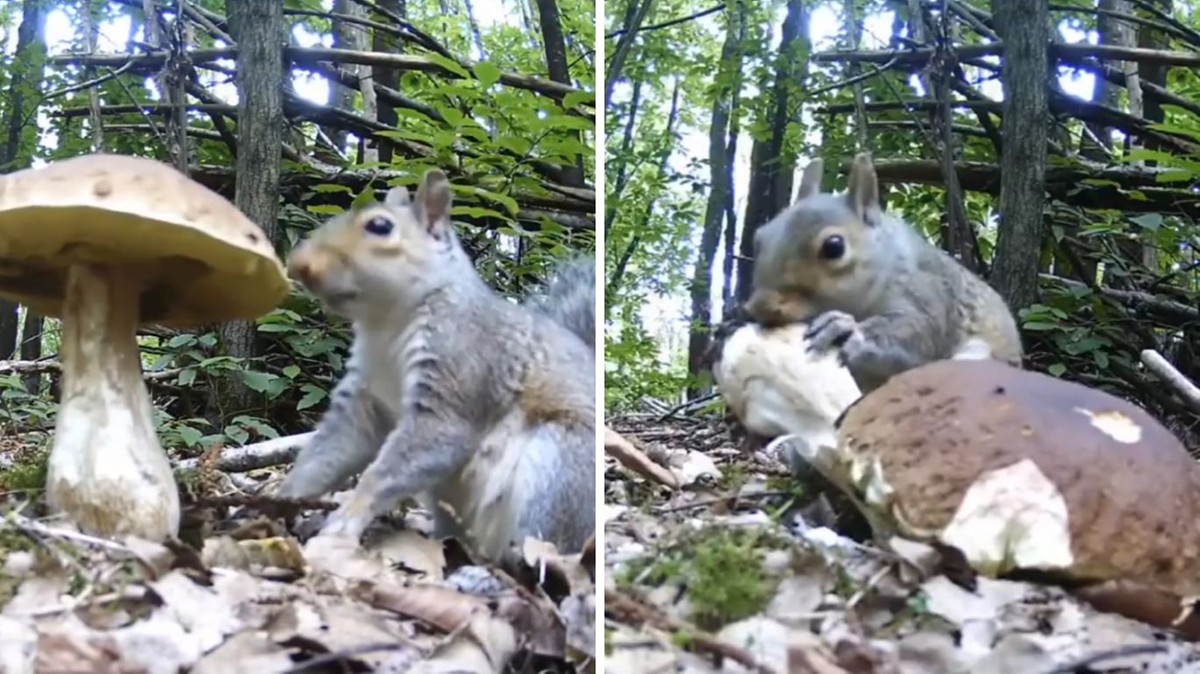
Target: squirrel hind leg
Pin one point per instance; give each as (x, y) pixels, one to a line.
(523, 480)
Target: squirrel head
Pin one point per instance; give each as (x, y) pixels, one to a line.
(816, 254)
(387, 255)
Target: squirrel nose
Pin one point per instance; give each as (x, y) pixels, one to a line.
(302, 268)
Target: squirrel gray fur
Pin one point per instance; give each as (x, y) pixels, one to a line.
(570, 298)
(481, 408)
(871, 285)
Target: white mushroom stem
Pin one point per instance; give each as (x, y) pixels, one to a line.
(107, 470)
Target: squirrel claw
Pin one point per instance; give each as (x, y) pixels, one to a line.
(829, 330)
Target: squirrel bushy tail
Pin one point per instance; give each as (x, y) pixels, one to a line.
(570, 298)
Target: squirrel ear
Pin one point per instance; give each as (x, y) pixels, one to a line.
(863, 190)
(397, 196)
(433, 202)
(810, 180)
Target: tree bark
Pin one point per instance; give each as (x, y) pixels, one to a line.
(635, 15)
(24, 92)
(1026, 116)
(388, 77)
(259, 28)
(720, 192)
(556, 66)
(666, 147)
(771, 166)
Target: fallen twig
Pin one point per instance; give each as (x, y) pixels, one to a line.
(256, 455)
(631, 457)
(1167, 372)
(53, 366)
(630, 611)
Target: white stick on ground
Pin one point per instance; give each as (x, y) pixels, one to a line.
(256, 455)
(1160, 366)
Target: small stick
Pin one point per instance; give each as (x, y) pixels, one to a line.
(628, 610)
(615, 445)
(255, 455)
(1154, 362)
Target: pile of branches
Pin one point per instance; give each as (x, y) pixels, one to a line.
(555, 199)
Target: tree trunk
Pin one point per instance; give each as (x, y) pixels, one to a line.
(259, 29)
(24, 92)
(1026, 116)
(726, 90)
(621, 158)
(635, 15)
(383, 41)
(771, 165)
(556, 66)
(170, 84)
(614, 279)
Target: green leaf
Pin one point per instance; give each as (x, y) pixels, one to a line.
(291, 371)
(190, 436)
(312, 396)
(324, 209)
(487, 73)
(259, 381)
(1150, 221)
(187, 377)
(449, 65)
(1057, 369)
(575, 98)
(1040, 326)
(329, 187)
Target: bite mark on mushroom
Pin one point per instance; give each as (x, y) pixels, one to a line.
(1114, 424)
(1012, 518)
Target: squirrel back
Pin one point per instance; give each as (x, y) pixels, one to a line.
(570, 298)
(913, 303)
(482, 408)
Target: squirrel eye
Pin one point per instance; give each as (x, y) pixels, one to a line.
(833, 248)
(379, 226)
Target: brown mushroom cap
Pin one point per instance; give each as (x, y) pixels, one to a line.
(208, 261)
(1128, 489)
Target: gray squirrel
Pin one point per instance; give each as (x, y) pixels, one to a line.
(872, 286)
(481, 408)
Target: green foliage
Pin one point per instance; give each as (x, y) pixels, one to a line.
(721, 568)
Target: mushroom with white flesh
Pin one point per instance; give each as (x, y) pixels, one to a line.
(775, 386)
(779, 389)
(1030, 476)
(108, 243)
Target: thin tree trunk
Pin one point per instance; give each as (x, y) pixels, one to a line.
(170, 83)
(259, 29)
(22, 96)
(621, 159)
(720, 192)
(1026, 116)
(556, 66)
(665, 149)
(771, 164)
(635, 15)
(476, 36)
(388, 77)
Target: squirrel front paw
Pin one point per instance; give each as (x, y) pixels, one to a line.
(832, 329)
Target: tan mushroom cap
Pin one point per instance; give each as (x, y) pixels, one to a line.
(207, 261)
(1131, 491)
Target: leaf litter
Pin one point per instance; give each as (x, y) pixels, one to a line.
(714, 568)
(250, 598)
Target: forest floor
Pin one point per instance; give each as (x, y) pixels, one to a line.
(719, 573)
(247, 596)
